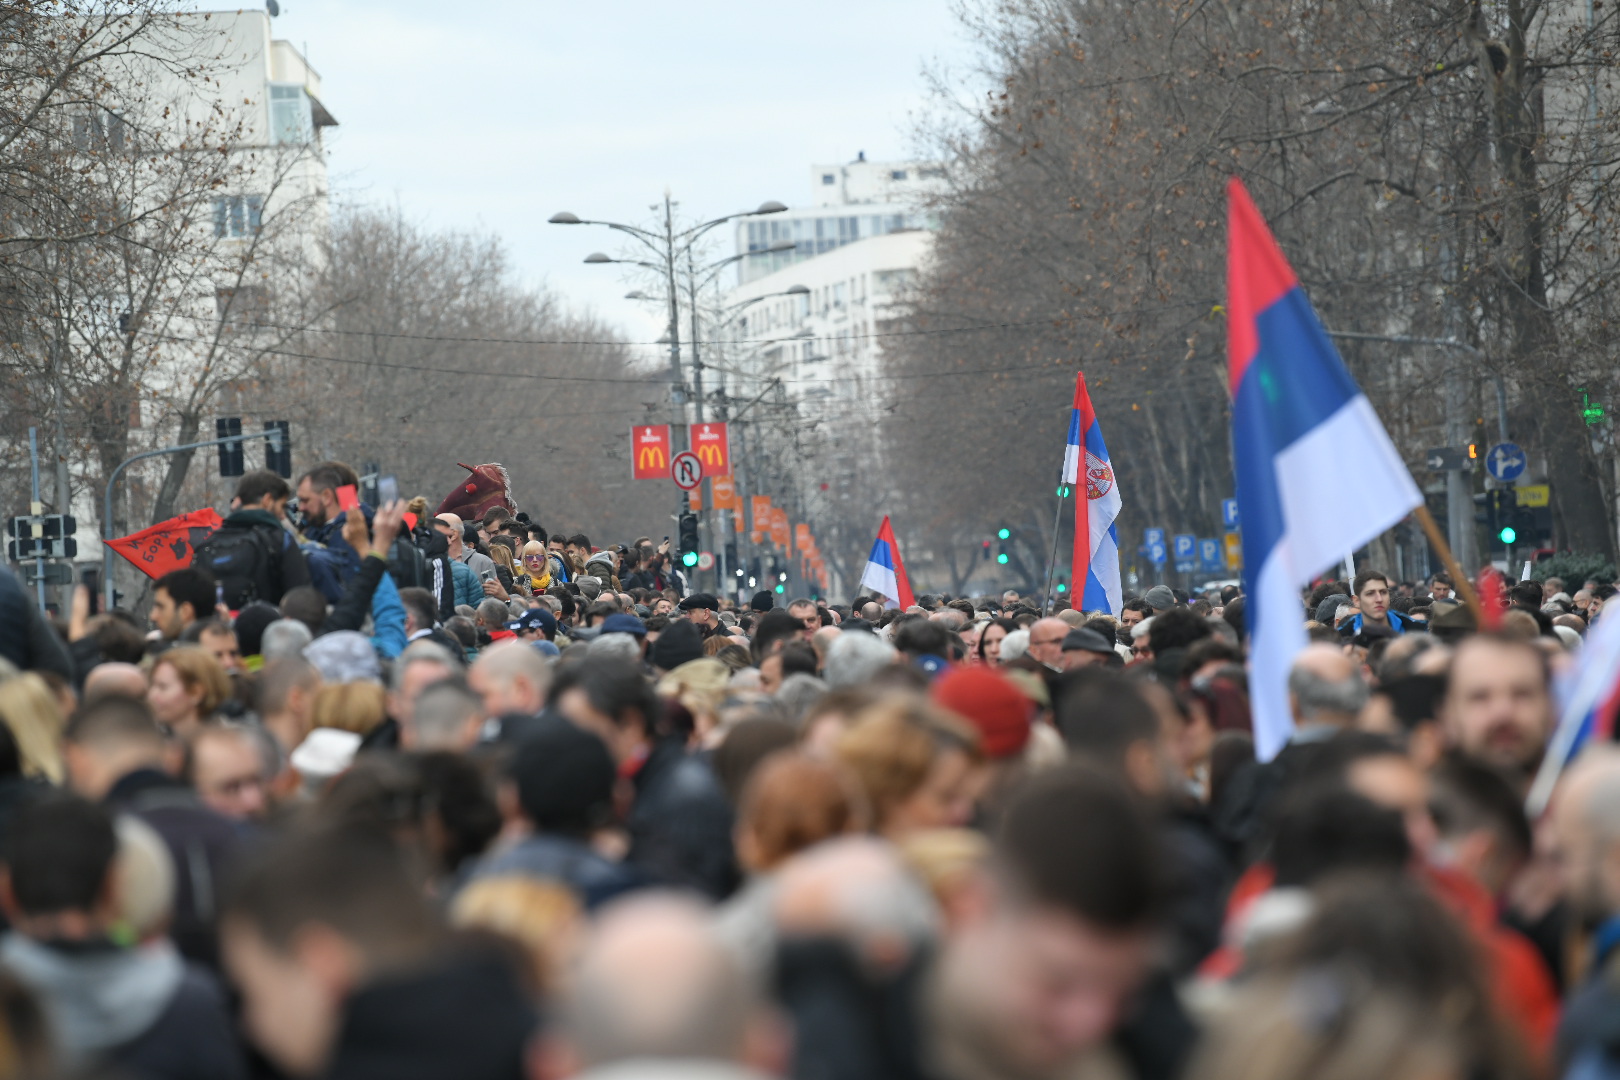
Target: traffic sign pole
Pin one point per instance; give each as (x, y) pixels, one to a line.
(36, 509)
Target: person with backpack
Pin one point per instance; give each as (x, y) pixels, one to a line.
(251, 555)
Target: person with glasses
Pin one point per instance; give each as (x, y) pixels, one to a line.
(537, 566)
(1046, 641)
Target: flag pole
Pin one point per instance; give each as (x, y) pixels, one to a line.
(1051, 563)
(1464, 587)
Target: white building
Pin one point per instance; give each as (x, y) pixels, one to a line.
(813, 320)
(849, 203)
(257, 216)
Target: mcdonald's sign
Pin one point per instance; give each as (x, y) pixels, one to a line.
(649, 451)
(712, 444)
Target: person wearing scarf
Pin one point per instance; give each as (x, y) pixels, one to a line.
(537, 566)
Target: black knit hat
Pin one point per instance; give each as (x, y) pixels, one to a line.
(679, 642)
(564, 777)
(762, 601)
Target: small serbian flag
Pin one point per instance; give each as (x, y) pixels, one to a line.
(885, 572)
(1096, 540)
(1317, 474)
(1588, 699)
(168, 544)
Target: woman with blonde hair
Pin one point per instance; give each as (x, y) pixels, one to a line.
(918, 765)
(357, 707)
(185, 688)
(511, 577)
(536, 567)
(30, 710)
(543, 917)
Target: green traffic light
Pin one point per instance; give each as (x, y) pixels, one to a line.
(781, 588)
(689, 558)
(1063, 491)
(1062, 587)
(1002, 558)
(1004, 533)
(1508, 534)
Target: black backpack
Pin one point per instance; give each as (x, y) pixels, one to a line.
(408, 565)
(244, 564)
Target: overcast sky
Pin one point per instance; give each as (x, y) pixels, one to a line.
(493, 114)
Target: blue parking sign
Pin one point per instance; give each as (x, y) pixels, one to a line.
(1209, 554)
(1229, 513)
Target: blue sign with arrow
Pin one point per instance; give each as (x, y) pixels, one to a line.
(1505, 461)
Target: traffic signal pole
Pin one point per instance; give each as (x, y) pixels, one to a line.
(112, 484)
(35, 508)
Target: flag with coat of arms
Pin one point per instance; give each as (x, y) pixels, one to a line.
(1096, 507)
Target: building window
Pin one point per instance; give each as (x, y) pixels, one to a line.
(931, 174)
(240, 308)
(290, 122)
(828, 178)
(238, 215)
(897, 174)
(98, 129)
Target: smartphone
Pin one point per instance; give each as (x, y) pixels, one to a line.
(90, 578)
(387, 490)
(348, 498)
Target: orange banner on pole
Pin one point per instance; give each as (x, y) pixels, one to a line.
(168, 545)
(649, 451)
(694, 498)
(779, 529)
(712, 445)
(762, 512)
(724, 492)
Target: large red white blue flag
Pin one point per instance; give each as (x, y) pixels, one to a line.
(1317, 475)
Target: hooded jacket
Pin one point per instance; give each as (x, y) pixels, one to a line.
(143, 1009)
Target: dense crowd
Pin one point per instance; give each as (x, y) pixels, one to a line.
(456, 796)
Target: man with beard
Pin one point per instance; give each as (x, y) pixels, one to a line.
(1498, 709)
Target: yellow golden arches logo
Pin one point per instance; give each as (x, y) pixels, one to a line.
(710, 455)
(652, 457)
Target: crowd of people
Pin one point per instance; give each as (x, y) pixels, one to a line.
(372, 793)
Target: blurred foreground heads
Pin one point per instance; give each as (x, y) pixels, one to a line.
(345, 970)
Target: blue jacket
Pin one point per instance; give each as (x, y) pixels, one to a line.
(469, 590)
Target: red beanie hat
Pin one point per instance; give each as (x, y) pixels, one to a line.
(996, 707)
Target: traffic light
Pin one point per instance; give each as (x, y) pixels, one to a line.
(278, 448)
(1002, 558)
(1063, 491)
(1062, 586)
(731, 558)
(985, 550)
(1473, 451)
(1004, 533)
(688, 533)
(230, 453)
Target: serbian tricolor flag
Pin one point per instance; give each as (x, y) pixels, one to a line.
(1316, 473)
(884, 570)
(1096, 541)
(1588, 699)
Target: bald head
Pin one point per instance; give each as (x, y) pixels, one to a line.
(114, 680)
(511, 677)
(1046, 641)
(655, 982)
(1325, 687)
(1586, 823)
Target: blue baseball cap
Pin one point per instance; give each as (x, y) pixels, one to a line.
(535, 619)
(620, 623)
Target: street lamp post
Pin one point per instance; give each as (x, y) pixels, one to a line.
(669, 246)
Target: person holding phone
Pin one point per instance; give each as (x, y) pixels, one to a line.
(483, 581)
(325, 495)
